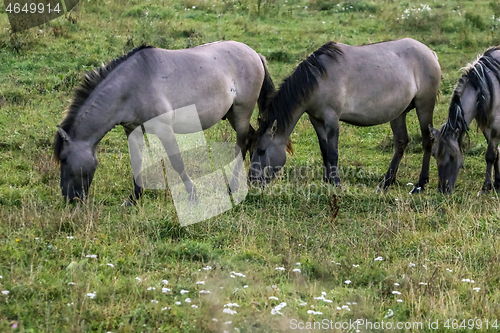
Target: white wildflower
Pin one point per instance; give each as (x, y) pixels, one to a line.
(178, 303)
(164, 281)
(154, 301)
(230, 305)
(200, 282)
(194, 306)
(238, 274)
(229, 311)
(93, 256)
(184, 291)
(399, 301)
(245, 286)
(476, 289)
(273, 297)
(423, 283)
(396, 284)
(395, 292)
(314, 312)
(277, 308)
(207, 268)
(187, 300)
(165, 308)
(138, 279)
(347, 281)
(151, 288)
(296, 270)
(111, 265)
(91, 295)
(379, 259)
(165, 290)
(5, 292)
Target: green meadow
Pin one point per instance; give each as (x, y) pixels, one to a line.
(333, 259)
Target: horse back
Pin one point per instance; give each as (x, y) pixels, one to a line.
(372, 84)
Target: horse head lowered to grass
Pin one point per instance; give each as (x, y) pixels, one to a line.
(361, 85)
(224, 80)
(477, 96)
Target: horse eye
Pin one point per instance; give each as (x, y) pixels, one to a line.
(261, 151)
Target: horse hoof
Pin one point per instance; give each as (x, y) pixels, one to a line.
(126, 203)
(416, 189)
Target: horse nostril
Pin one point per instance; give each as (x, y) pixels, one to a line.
(261, 151)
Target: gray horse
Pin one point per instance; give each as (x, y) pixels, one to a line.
(477, 96)
(222, 79)
(361, 85)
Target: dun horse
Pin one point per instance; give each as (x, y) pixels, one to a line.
(360, 85)
(222, 79)
(477, 96)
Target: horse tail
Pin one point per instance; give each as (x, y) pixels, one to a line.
(267, 88)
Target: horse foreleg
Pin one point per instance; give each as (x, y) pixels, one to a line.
(491, 157)
(332, 129)
(496, 185)
(319, 127)
(136, 145)
(239, 118)
(400, 134)
(171, 147)
(424, 113)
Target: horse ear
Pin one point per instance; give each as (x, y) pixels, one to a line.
(434, 132)
(63, 134)
(274, 128)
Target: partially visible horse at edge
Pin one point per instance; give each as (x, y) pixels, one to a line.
(361, 85)
(224, 80)
(476, 96)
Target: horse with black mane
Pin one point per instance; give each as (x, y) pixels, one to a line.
(222, 79)
(476, 96)
(362, 85)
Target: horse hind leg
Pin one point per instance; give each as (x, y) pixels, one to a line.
(400, 134)
(425, 112)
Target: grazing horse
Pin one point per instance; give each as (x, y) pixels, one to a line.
(477, 96)
(361, 85)
(222, 79)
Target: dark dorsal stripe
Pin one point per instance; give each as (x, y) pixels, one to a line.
(90, 81)
(297, 88)
(479, 79)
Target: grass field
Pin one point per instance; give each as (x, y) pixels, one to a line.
(101, 267)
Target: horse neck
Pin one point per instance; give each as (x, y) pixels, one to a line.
(469, 102)
(97, 117)
(296, 114)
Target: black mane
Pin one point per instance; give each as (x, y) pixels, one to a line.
(90, 81)
(297, 88)
(475, 75)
